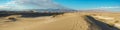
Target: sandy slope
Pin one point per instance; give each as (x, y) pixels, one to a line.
(67, 21)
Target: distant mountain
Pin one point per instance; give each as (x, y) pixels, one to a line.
(35, 12)
(53, 10)
(41, 10)
(94, 10)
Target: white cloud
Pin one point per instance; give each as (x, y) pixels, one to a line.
(3, 7)
(11, 5)
(110, 7)
(30, 4)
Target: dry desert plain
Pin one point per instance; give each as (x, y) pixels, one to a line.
(67, 21)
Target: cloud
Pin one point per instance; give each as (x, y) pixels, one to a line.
(11, 6)
(31, 4)
(110, 7)
(3, 7)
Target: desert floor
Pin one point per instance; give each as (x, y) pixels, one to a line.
(67, 21)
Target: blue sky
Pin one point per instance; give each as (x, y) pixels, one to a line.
(85, 4)
(89, 4)
(4, 1)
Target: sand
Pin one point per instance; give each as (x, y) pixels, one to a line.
(67, 21)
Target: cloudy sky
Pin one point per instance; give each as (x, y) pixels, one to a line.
(28, 4)
(113, 5)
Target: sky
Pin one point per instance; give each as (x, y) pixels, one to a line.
(91, 4)
(113, 5)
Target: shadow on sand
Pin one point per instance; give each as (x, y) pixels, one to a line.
(38, 14)
(29, 14)
(101, 25)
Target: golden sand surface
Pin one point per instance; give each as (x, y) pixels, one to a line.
(67, 21)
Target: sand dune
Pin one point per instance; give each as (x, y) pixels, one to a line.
(67, 21)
